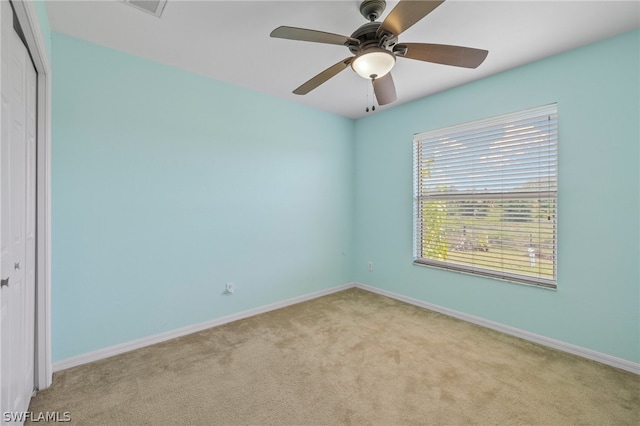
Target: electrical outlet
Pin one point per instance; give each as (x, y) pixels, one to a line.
(370, 266)
(228, 288)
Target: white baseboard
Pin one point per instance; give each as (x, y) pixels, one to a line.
(151, 340)
(613, 361)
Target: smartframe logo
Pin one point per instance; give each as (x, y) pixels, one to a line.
(47, 416)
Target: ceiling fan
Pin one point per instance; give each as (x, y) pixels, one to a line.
(375, 46)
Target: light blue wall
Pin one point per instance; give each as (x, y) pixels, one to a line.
(166, 185)
(43, 19)
(597, 302)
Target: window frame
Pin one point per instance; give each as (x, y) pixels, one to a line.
(551, 193)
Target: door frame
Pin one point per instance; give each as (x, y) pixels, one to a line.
(30, 23)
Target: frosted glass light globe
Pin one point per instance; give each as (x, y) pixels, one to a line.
(373, 63)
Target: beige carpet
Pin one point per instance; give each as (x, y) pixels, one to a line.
(348, 358)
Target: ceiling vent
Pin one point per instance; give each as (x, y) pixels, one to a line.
(154, 7)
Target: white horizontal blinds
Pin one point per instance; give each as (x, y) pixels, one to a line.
(485, 196)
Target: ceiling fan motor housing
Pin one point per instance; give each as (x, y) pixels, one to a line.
(367, 37)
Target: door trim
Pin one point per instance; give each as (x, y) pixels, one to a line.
(30, 23)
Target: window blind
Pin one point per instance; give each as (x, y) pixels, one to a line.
(485, 197)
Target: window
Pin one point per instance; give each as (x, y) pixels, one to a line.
(485, 197)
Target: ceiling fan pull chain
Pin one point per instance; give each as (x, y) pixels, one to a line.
(367, 96)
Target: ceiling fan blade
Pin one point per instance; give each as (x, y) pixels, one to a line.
(303, 34)
(445, 54)
(323, 77)
(405, 14)
(384, 89)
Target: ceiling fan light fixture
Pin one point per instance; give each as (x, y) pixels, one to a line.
(373, 63)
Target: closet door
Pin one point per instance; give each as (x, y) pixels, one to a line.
(17, 220)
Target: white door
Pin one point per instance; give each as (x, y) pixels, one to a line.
(17, 220)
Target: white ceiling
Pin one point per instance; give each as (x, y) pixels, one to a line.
(229, 40)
